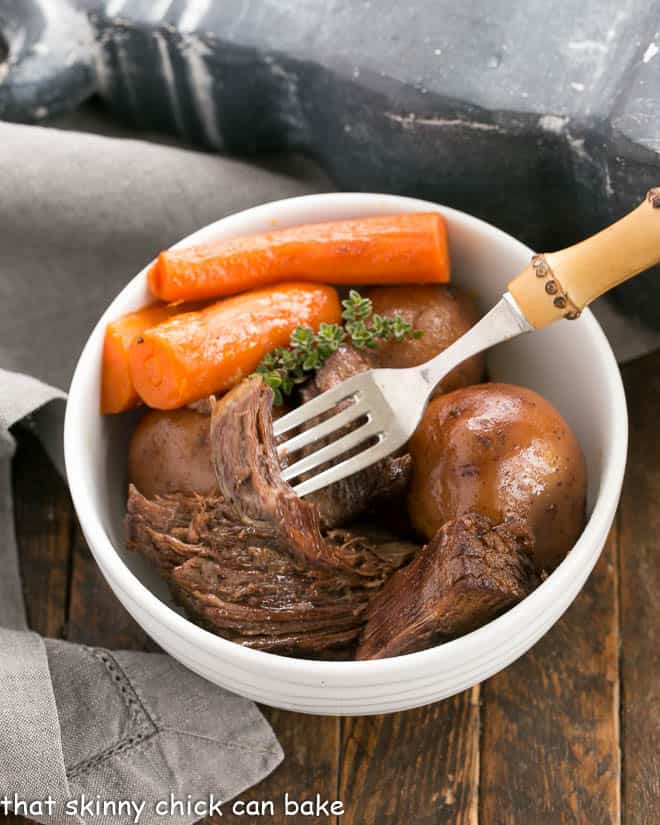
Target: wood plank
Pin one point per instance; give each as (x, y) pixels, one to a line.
(550, 741)
(43, 518)
(311, 748)
(640, 586)
(420, 766)
(96, 616)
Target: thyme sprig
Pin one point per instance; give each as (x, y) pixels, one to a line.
(286, 367)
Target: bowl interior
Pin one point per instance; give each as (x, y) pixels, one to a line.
(570, 364)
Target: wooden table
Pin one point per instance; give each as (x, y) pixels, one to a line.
(568, 734)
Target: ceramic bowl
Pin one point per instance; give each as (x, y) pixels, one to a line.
(570, 363)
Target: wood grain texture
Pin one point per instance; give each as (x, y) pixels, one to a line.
(311, 747)
(550, 739)
(640, 590)
(44, 522)
(96, 616)
(419, 766)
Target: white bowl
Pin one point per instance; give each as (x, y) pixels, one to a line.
(570, 363)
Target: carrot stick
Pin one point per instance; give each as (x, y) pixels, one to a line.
(117, 391)
(208, 351)
(388, 249)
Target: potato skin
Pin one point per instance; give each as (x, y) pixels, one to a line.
(444, 313)
(170, 452)
(503, 451)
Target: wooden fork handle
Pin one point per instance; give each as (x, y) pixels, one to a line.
(560, 284)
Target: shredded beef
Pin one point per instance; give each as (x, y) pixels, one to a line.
(252, 563)
(250, 482)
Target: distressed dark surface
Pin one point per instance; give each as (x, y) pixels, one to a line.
(47, 59)
(541, 119)
(564, 736)
(640, 585)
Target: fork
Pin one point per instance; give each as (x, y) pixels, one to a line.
(384, 406)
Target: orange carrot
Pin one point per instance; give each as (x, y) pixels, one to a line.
(208, 351)
(388, 249)
(117, 391)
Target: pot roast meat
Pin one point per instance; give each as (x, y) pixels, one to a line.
(170, 529)
(267, 605)
(343, 501)
(232, 581)
(291, 611)
(247, 468)
(330, 644)
(250, 482)
(342, 364)
(393, 552)
(469, 573)
(251, 563)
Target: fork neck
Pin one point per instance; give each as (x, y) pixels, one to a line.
(503, 322)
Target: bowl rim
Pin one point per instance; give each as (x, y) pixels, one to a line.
(309, 671)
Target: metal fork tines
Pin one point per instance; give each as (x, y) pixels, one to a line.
(345, 406)
(383, 407)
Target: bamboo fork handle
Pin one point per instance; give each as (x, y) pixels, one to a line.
(560, 284)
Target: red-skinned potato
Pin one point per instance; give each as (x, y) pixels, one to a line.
(503, 451)
(170, 453)
(443, 314)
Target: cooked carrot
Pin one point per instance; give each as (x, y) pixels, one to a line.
(388, 249)
(199, 353)
(117, 391)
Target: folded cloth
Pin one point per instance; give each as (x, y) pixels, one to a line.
(79, 215)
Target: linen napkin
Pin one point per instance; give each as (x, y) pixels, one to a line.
(79, 215)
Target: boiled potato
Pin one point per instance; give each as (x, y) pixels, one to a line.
(502, 451)
(443, 313)
(170, 452)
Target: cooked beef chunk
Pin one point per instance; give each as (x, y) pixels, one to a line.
(343, 364)
(252, 563)
(470, 572)
(251, 485)
(344, 500)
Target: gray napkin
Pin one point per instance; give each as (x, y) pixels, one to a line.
(79, 215)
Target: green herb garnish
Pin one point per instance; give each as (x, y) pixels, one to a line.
(285, 367)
